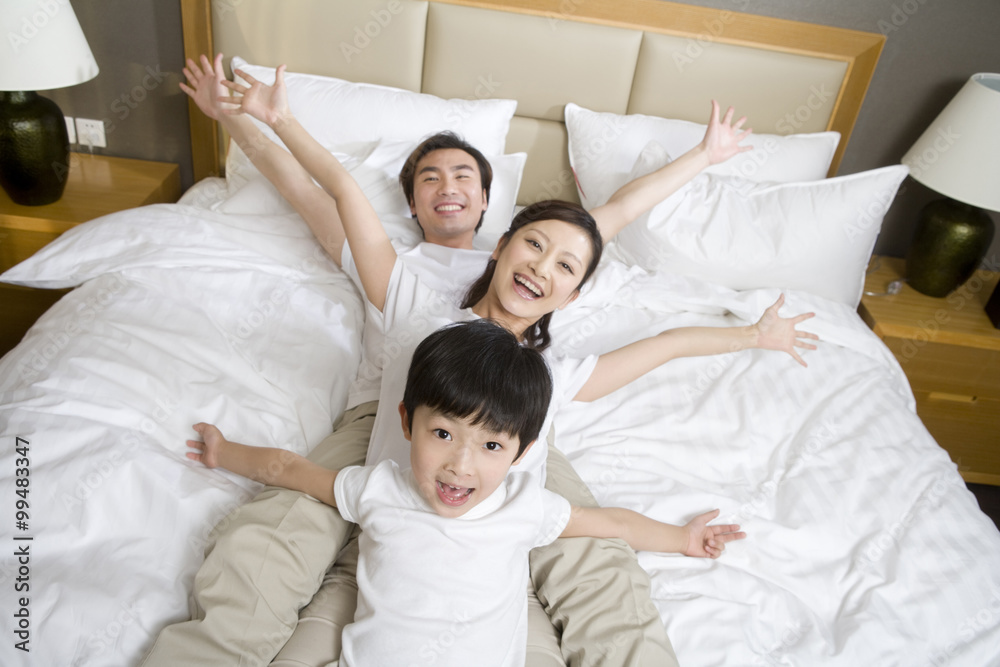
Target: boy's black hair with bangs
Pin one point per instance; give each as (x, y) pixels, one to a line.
(479, 371)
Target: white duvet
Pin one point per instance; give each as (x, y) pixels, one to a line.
(194, 316)
(863, 548)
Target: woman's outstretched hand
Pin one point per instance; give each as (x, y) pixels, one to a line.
(268, 104)
(723, 137)
(775, 332)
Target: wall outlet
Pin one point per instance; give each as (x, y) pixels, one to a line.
(71, 129)
(91, 133)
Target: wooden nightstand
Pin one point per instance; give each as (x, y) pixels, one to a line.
(950, 353)
(97, 185)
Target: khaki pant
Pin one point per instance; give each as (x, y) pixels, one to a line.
(273, 558)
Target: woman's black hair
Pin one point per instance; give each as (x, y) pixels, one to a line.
(437, 142)
(479, 371)
(537, 335)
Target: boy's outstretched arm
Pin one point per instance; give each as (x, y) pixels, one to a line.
(268, 465)
(721, 142)
(696, 538)
(616, 369)
(206, 87)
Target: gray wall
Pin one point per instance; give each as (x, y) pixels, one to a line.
(933, 47)
(139, 47)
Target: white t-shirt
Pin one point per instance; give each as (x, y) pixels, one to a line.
(446, 270)
(413, 310)
(442, 591)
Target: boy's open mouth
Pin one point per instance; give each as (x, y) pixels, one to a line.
(453, 495)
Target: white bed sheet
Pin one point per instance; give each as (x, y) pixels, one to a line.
(864, 546)
(218, 325)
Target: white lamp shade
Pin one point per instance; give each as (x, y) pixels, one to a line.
(45, 47)
(959, 154)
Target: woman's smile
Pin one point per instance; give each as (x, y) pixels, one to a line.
(526, 287)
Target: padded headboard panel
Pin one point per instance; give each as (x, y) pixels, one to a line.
(622, 56)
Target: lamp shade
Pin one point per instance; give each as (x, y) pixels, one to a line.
(45, 46)
(959, 154)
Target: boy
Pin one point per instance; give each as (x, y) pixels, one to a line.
(444, 545)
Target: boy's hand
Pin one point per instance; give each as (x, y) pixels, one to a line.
(722, 138)
(208, 451)
(775, 332)
(268, 104)
(706, 541)
(205, 85)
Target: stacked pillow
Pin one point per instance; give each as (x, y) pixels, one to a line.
(765, 218)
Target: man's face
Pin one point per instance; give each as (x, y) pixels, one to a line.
(456, 464)
(448, 197)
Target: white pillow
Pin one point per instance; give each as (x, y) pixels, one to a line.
(337, 112)
(376, 170)
(815, 236)
(603, 148)
(507, 172)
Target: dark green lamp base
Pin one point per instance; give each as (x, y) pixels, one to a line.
(950, 242)
(34, 148)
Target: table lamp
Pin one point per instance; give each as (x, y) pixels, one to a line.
(958, 156)
(45, 48)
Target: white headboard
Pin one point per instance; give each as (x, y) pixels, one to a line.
(622, 56)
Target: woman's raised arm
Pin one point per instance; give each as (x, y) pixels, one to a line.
(616, 369)
(721, 142)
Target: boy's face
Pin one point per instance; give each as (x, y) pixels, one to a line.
(448, 197)
(456, 464)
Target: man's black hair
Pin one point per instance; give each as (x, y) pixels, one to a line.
(479, 371)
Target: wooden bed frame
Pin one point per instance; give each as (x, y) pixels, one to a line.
(621, 56)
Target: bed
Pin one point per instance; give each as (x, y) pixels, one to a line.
(864, 546)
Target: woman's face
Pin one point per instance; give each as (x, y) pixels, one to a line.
(540, 267)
